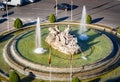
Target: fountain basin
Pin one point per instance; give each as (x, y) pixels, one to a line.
(27, 39)
(102, 63)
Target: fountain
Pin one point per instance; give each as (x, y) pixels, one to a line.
(61, 66)
(83, 28)
(63, 49)
(38, 49)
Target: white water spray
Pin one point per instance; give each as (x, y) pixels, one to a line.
(83, 28)
(38, 49)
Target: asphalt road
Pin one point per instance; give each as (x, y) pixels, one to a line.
(104, 12)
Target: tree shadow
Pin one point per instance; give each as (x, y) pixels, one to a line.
(5, 74)
(29, 78)
(101, 5)
(62, 19)
(3, 20)
(95, 80)
(106, 8)
(9, 13)
(5, 38)
(97, 20)
(114, 80)
(29, 23)
(37, 1)
(74, 7)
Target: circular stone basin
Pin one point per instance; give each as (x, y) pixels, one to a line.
(95, 48)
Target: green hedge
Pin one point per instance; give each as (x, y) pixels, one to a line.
(18, 23)
(52, 18)
(14, 77)
(118, 30)
(88, 19)
(75, 79)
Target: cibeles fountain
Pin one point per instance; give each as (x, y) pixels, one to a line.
(62, 50)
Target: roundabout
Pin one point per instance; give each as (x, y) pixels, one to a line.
(22, 62)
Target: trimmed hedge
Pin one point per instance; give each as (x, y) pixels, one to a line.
(75, 79)
(14, 77)
(18, 23)
(88, 19)
(118, 30)
(52, 18)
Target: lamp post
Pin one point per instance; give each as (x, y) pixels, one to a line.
(71, 10)
(49, 61)
(56, 8)
(7, 15)
(71, 58)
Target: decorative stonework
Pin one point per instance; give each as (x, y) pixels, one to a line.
(63, 41)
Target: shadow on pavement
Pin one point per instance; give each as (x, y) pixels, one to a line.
(97, 20)
(106, 8)
(37, 1)
(95, 80)
(74, 7)
(62, 19)
(5, 38)
(101, 5)
(29, 78)
(29, 23)
(3, 20)
(114, 80)
(9, 13)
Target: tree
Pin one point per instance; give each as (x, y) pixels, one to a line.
(88, 19)
(118, 30)
(14, 77)
(18, 23)
(52, 18)
(75, 79)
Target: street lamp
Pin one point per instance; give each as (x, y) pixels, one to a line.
(71, 59)
(71, 10)
(56, 8)
(49, 61)
(7, 15)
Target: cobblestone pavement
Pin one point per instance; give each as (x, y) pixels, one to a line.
(102, 11)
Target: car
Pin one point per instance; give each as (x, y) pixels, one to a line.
(63, 6)
(2, 6)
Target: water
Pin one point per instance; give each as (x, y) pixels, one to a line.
(83, 27)
(38, 49)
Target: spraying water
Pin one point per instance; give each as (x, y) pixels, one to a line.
(83, 28)
(38, 49)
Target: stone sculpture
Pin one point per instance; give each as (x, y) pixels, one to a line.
(63, 41)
